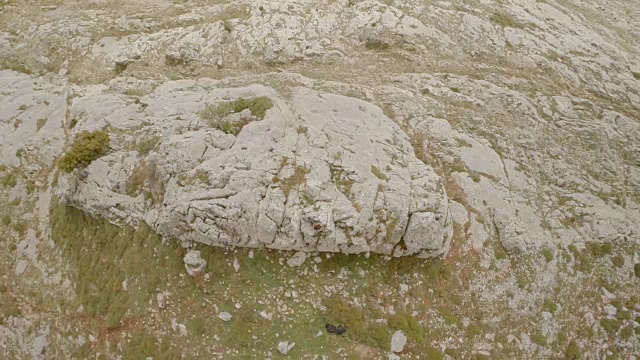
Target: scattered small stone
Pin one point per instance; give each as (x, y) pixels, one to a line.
(162, 300)
(297, 259)
(225, 316)
(194, 263)
(404, 288)
(182, 329)
(285, 346)
(266, 315)
(236, 264)
(607, 294)
(40, 343)
(21, 266)
(610, 310)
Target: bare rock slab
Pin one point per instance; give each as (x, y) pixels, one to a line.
(320, 172)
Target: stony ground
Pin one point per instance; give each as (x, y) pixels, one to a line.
(526, 112)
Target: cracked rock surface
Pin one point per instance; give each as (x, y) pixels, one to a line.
(463, 173)
(320, 172)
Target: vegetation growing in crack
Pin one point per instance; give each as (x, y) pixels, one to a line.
(215, 114)
(506, 20)
(293, 182)
(87, 147)
(378, 173)
(145, 146)
(145, 177)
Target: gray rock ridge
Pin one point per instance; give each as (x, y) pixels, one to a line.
(321, 172)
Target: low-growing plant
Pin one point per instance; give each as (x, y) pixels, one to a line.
(102, 256)
(573, 351)
(618, 261)
(505, 20)
(549, 306)
(215, 114)
(87, 147)
(258, 107)
(539, 339)
(409, 325)
(40, 123)
(145, 146)
(10, 180)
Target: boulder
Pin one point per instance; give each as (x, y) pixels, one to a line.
(320, 172)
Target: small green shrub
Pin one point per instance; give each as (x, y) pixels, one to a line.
(599, 250)
(636, 269)
(433, 353)
(611, 325)
(258, 107)
(145, 146)
(10, 180)
(87, 147)
(505, 20)
(20, 227)
(438, 270)
(618, 261)
(549, 306)
(6, 220)
(626, 333)
(409, 325)
(573, 351)
(473, 330)
(449, 317)
(636, 75)
(539, 339)
(377, 44)
(548, 254)
(356, 320)
(40, 123)
(214, 114)
(378, 173)
(500, 253)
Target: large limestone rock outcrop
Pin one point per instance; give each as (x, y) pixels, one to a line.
(319, 172)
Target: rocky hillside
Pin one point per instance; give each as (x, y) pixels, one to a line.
(210, 179)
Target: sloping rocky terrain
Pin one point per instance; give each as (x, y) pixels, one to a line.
(210, 179)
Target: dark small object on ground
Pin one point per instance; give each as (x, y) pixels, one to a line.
(331, 328)
(339, 330)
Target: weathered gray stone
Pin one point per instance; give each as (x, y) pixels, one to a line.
(337, 176)
(285, 346)
(194, 263)
(297, 259)
(225, 316)
(398, 341)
